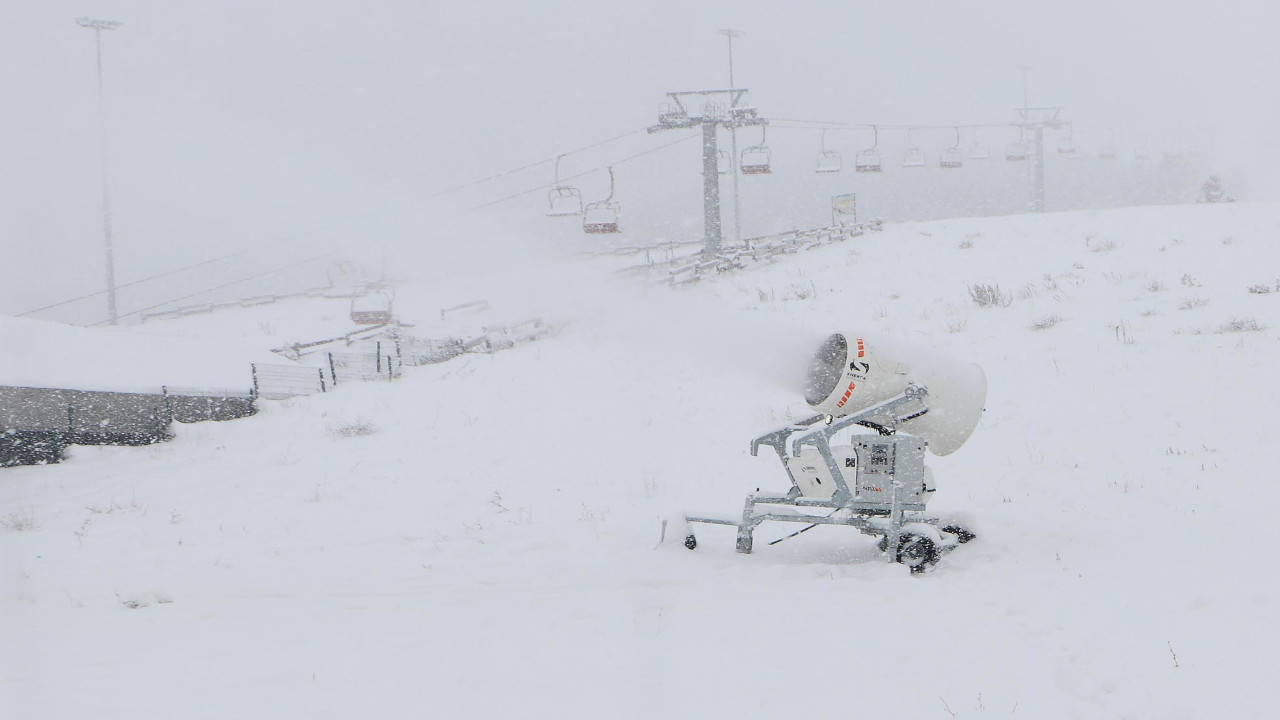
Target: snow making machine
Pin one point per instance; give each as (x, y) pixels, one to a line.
(889, 410)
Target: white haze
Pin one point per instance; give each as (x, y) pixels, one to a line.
(291, 129)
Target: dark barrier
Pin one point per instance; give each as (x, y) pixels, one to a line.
(31, 448)
(36, 424)
(188, 405)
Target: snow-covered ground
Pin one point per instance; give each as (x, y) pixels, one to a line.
(477, 539)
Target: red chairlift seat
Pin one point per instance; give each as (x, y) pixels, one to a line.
(951, 158)
(756, 161)
(867, 161)
(601, 217)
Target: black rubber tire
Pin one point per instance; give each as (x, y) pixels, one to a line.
(963, 534)
(690, 541)
(916, 552)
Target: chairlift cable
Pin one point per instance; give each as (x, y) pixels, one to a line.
(137, 282)
(839, 125)
(223, 286)
(522, 168)
(581, 174)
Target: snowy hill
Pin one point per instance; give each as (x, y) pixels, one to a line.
(478, 538)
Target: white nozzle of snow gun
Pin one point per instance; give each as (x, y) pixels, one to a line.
(851, 373)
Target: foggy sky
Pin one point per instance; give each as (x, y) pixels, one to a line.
(237, 124)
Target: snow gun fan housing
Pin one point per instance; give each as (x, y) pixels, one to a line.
(850, 374)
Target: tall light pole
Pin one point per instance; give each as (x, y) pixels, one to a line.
(98, 26)
(733, 144)
(1026, 102)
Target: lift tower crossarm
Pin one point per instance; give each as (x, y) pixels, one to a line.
(713, 115)
(1036, 119)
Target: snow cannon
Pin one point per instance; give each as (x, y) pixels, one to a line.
(850, 374)
(888, 402)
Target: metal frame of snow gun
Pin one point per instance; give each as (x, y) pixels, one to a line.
(889, 490)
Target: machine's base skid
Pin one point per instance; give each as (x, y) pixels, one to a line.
(913, 540)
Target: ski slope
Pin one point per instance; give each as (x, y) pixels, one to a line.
(477, 539)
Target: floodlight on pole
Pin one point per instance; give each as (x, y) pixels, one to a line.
(1026, 102)
(98, 26)
(733, 143)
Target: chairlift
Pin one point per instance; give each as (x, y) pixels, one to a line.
(755, 159)
(563, 200)
(1107, 152)
(1016, 152)
(869, 160)
(724, 163)
(913, 156)
(978, 150)
(1142, 153)
(602, 217)
(829, 161)
(952, 157)
(1067, 145)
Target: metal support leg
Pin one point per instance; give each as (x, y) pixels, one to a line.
(894, 538)
(748, 526)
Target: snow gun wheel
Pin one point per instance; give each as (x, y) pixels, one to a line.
(963, 534)
(690, 541)
(915, 551)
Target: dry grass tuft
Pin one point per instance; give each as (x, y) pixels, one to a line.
(989, 296)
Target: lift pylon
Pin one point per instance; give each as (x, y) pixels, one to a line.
(729, 112)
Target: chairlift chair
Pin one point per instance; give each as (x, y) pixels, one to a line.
(1015, 152)
(602, 216)
(1067, 145)
(563, 200)
(829, 161)
(978, 150)
(952, 157)
(724, 163)
(913, 156)
(1107, 152)
(756, 159)
(869, 160)
(1142, 153)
